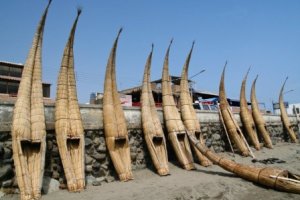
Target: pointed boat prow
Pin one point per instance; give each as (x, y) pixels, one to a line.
(230, 124)
(258, 118)
(284, 116)
(175, 127)
(115, 127)
(152, 129)
(188, 113)
(28, 124)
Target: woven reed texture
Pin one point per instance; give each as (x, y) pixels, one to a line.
(231, 126)
(151, 124)
(246, 116)
(275, 178)
(188, 114)
(284, 116)
(258, 118)
(68, 122)
(175, 127)
(28, 126)
(115, 128)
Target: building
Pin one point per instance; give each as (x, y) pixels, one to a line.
(10, 77)
(203, 100)
(291, 109)
(135, 92)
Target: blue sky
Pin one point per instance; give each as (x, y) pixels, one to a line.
(264, 34)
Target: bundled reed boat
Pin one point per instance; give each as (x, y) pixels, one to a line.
(174, 125)
(68, 123)
(284, 116)
(188, 113)
(153, 132)
(258, 118)
(114, 122)
(230, 124)
(28, 125)
(246, 116)
(270, 177)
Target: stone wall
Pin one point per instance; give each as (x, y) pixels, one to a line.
(99, 167)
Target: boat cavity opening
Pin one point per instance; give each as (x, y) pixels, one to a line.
(73, 143)
(180, 137)
(157, 140)
(120, 141)
(197, 134)
(27, 146)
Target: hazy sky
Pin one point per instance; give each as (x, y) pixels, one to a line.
(262, 33)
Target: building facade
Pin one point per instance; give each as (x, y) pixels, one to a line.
(10, 77)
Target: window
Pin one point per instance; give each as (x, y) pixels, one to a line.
(3, 87)
(13, 88)
(16, 72)
(4, 70)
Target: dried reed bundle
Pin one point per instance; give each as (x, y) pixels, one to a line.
(284, 116)
(246, 116)
(258, 118)
(188, 113)
(28, 126)
(152, 128)
(275, 178)
(231, 125)
(175, 127)
(114, 121)
(68, 123)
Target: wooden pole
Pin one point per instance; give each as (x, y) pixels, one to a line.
(242, 135)
(283, 178)
(222, 121)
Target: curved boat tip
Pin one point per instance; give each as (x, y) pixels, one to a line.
(223, 73)
(282, 87)
(168, 50)
(270, 177)
(245, 77)
(284, 116)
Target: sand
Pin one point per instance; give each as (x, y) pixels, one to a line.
(202, 183)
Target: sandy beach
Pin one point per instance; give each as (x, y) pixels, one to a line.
(202, 183)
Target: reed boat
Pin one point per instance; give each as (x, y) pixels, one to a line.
(231, 126)
(175, 128)
(258, 118)
(246, 116)
(284, 117)
(28, 124)
(271, 177)
(153, 132)
(188, 113)
(114, 122)
(68, 123)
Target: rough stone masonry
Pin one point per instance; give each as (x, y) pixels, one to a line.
(98, 167)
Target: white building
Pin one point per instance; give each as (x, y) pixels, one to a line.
(292, 109)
